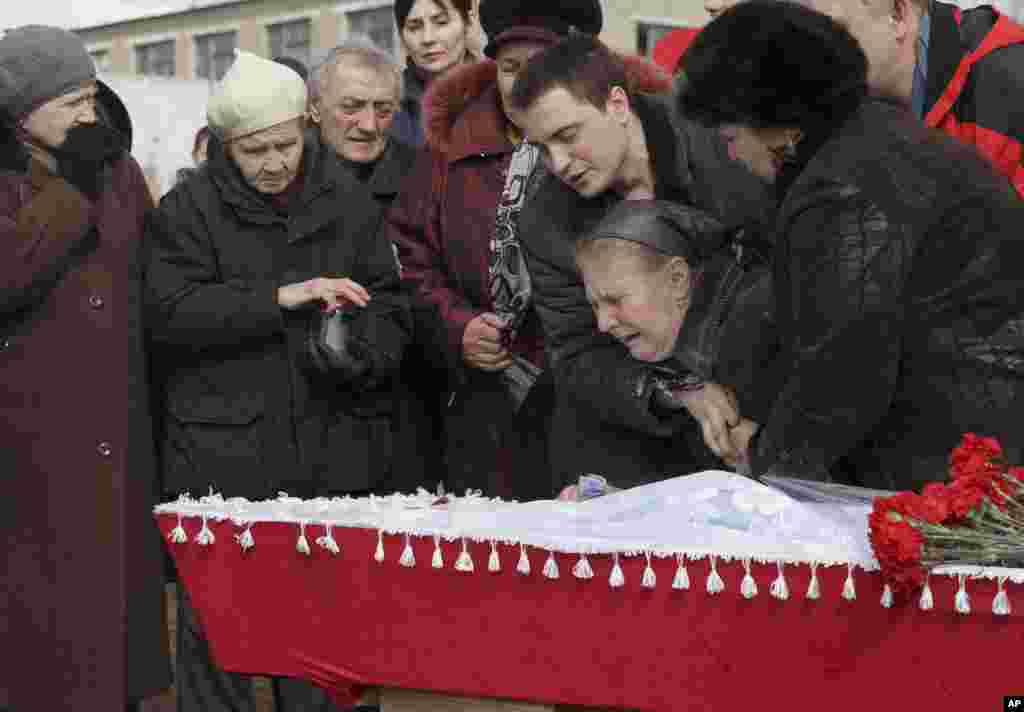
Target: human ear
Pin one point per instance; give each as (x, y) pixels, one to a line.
(618, 104)
(679, 277)
(314, 113)
(901, 17)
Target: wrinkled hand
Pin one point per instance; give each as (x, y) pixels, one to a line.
(715, 408)
(481, 344)
(741, 436)
(332, 292)
(569, 493)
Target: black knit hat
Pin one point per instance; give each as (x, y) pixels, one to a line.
(537, 20)
(39, 63)
(766, 63)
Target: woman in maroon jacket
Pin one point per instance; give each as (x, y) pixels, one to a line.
(82, 615)
(455, 224)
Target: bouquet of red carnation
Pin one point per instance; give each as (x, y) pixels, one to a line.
(977, 518)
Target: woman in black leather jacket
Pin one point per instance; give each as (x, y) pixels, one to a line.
(897, 262)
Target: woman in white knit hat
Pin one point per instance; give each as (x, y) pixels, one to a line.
(248, 253)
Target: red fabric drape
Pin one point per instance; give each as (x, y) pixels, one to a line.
(347, 620)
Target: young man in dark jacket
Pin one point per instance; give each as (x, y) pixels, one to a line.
(356, 94)
(608, 134)
(246, 254)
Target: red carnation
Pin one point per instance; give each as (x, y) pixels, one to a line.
(965, 495)
(974, 456)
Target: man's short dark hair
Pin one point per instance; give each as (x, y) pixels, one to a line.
(581, 64)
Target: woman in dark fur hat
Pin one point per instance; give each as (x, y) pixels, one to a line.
(456, 226)
(897, 262)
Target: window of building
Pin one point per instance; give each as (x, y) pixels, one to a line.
(155, 59)
(215, 54)
(648, 34)
(101, 58)
(377, 24)
(291, 39)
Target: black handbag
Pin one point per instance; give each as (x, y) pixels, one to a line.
(332, 346)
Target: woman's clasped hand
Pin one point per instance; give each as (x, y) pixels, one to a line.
(333, 292)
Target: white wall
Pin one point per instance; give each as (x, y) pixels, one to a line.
(166, 113)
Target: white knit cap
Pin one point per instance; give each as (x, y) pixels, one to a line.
(255, 94)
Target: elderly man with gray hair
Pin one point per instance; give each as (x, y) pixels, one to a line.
(354, 94)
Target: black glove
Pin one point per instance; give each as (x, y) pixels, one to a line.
(83, 157)
(331, 347)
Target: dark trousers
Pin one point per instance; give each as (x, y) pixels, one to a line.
(203, 687)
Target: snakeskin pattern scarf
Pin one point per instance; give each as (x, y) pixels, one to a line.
(509, 280)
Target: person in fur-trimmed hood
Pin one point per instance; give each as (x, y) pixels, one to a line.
(456, 227)
(608, 133)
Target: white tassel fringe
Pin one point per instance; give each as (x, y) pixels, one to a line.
(779, 588)
(886, 596)
(523, 566)
(681, 582)
(465, 562)
(962, 601)
(551, 566)
(327, 541)
(408, 558)
(245, 539)
(616, 579)
(849, 592)
(813, 587)
(748, 588)
(650, 579)
(927, 600)
(715, 583)
(302, 545)
(205, 537)
(378, 555)
(1001, 602)
(437, 560)
(493, 562)
(582, 569)
(178, 535)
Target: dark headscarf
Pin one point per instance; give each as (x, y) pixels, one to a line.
(669, 228)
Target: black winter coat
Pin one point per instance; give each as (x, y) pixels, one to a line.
(605, 420)
(900, 305)
(245, 414)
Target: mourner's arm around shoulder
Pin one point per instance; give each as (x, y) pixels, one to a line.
(847, 342)
(191, 303)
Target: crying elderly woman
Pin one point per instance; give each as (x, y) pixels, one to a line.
(679, 291)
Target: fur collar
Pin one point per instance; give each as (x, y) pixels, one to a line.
(448, 97)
